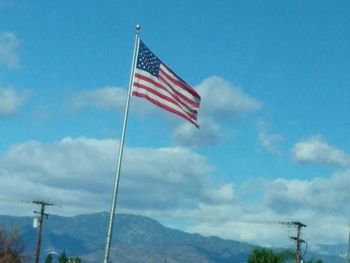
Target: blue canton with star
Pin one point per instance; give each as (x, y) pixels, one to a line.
(147, 61)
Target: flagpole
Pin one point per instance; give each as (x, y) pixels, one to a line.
(121, 147)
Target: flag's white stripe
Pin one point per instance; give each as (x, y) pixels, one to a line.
(163, 101)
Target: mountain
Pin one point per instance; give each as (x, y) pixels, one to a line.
(135, 239)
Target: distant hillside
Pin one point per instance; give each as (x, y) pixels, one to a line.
(136, 239)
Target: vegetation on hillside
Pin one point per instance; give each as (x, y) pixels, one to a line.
(264, 255)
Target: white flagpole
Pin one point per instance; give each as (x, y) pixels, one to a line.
(121, 147)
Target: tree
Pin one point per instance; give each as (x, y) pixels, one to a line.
(11, 246)
(317, 261)
(63, 258)
(48, 259)
(264, 255)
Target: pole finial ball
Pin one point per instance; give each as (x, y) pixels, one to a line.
(138, 27)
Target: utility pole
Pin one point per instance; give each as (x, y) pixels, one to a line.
(348, 256)
(42, 204)
(298, 240)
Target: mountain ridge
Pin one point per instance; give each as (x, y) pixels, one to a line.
(135, 239)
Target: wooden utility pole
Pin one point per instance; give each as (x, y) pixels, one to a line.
(42, 204)
(298, 240)
(348, 256)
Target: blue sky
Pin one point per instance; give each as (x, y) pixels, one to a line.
(273, 143)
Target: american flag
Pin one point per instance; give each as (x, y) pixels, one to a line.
(157, 83)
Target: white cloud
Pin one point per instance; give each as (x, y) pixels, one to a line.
(10, 101)
(260, 227)
(321, 203)
(106, 98)
(80, 172)
(316, 150)
(223, 194)
(220, 103)
(319, 195)
(263, 227)
(209, 133)
(174, 184)
(220, 99)
(270, 141)
(9, 45)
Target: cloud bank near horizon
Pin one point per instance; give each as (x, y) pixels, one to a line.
(179, 184)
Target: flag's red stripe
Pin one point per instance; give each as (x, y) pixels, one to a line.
(178, 96)
(171, 85)
(154, 91)
(158, 103)
(152, 81)
(174, 93)
(173, 82)
(160, 86)
(179, 82)
(163, 97)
